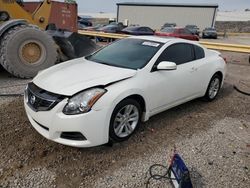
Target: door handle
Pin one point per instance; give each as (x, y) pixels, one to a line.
(194, 69)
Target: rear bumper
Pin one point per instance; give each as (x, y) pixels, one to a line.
(209, 35)
(93, 125)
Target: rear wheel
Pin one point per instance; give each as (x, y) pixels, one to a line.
(25, 50)
(125, 120)
(213, 87)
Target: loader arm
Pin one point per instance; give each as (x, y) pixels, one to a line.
(39, 17)
(31, 41)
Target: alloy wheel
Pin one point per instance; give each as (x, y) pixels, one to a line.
(126, 120)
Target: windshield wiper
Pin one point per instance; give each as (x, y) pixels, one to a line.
(105, 63)
(88, 56)
(99, 61)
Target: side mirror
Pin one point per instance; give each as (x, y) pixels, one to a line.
(166, 65)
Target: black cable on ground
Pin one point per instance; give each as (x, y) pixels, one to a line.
(157, 176)
(240, 91)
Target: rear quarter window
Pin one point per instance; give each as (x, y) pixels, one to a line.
(199, 52)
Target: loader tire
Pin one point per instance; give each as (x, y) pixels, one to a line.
(25, 50)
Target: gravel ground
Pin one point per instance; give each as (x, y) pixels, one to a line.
(213, 139)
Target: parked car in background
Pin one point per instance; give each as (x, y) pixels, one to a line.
(209, 32)
(112, 90)
(85, 22)
(94, 28)
(177, 32)
(119, 24)
(113, 27)
(194, 29)
(138, 30)
(81, 26)
(168, 25)
(110, 29)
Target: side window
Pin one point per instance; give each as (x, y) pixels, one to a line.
(187, 31)
(149, 30)
(178, 53)
(143, 29)
(177, 31)
(199, 52)
(181, 31)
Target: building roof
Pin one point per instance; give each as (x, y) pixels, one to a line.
(204, 5)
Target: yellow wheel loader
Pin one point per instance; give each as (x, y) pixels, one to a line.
(36, 36)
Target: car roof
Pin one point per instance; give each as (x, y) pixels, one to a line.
(166, 39)
(135, 27)
(109, 26)
(179, 28)
(174, 28)
(157, 38)
(132, 27)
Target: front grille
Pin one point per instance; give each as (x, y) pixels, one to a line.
(73, 136)
(41, 100)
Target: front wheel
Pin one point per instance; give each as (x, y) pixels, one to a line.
(213, 87)
(125, 120)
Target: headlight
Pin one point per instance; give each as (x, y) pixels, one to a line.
(82, 102)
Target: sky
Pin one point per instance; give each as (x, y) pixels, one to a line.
(94, 6)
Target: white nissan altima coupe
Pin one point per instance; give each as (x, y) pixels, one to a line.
(103, 97)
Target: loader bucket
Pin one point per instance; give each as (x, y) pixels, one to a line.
(73, 45)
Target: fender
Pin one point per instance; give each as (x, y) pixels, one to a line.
(124, 93)
(11, 23)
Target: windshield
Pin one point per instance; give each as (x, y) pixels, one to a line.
(109, 27)
(210, 29)
(191, 26)
(168, 29)
(169, 25)
(131, 29)
(127, 53)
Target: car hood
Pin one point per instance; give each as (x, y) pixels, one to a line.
(76, 75)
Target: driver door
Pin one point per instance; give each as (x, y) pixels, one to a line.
(169, 88)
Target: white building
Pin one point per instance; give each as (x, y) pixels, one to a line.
(109, 15)
(155, 15)
(233, 16)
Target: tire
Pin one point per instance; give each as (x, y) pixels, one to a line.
(213, 87)
(25, 50)
(117, 120)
